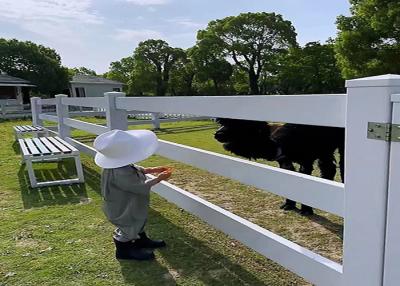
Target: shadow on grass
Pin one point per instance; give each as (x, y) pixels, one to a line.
(186, 257)
(51, 195)
(16, 148)
(92, 179)
(85, 139)
(333, 227)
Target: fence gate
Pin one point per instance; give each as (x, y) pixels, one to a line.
(392, 245)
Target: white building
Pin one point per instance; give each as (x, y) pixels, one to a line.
(92, 86)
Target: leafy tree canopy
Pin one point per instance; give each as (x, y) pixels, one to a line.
(182, 75)
(210, 64)
(36, 63)
(368, 42)
(81, 70)
(251, 40)
(312, 69)
(122, 70)
(158, 56)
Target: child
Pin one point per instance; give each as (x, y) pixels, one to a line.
(126, 190)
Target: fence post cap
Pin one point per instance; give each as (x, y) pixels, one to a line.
(114, 93)
(35, 99)
(61, 95)
(375, 81)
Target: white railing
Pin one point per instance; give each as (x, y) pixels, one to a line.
(323, 194)
(362, 201)
(98, 110)
(11, 111)
(326, 110)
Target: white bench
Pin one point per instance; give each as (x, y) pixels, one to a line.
(44, 149)
(21, 130)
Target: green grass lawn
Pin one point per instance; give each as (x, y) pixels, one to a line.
(59, 236)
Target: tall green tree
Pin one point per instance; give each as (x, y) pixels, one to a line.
(210, 64)
(182, 76)
(311, 69)
(122, 71)
(36, 63)
(158, 57)
(252, 40)
(368, 41)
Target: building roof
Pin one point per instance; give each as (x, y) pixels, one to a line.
(80, 78)
(7, 80)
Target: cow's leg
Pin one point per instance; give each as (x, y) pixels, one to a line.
(341, 162)
(288, 165)
(328, 167)
(306, 169)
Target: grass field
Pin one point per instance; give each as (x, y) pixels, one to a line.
(59, 236)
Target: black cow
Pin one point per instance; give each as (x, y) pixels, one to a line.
(286, 144)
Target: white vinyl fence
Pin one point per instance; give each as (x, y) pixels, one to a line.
(95, 110)
(11, 110)
(367, 202)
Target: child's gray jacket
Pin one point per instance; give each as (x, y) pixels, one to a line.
(126, 198)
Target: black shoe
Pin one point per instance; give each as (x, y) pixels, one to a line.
(128, 251)
(145, 242)
(306, 210)
(289, 205)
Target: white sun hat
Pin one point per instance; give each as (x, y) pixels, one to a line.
(119, 148)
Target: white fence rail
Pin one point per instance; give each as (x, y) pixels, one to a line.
(326, 110)
(323, 194)
(48, 117)
(11, 111)
(292, 256)
(89, 127)
(367, 201)
(98, 102)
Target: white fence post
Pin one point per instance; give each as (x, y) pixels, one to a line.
(155, 117)
(392, 247)
(116, 118)
(36, 108)
(62, 112)
(366, 180)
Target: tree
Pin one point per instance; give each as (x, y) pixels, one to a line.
(210, 64)
(240, 81)
(312, 69)
(182, 76)
(368, 41)
(252, 40)
(122, 71)
(36, 63)
(81, 70)
(144, 79)
(158, 57)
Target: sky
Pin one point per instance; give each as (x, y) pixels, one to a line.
(93, 33)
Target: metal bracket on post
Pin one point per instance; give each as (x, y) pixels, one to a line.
(395, 134)
(384, 131)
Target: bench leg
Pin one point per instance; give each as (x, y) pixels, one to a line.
(79, 169)
(35, 183)
(31, 173)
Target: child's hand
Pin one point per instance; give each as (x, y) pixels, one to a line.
(164, 175)
(156, 170)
